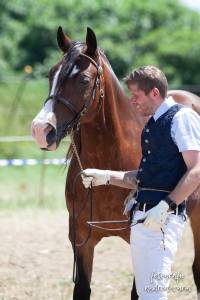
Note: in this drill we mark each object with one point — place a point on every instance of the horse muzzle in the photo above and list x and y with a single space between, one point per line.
44 135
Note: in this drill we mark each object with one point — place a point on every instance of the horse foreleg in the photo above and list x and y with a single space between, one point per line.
84 261
195 224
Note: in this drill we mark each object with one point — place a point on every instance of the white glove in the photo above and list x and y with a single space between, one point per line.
95 176
129 202
156 217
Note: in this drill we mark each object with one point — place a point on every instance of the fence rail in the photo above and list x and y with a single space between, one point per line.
32 162
12 139
28 161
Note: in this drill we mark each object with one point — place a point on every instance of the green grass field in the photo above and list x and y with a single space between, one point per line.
32 187
20 102
20 187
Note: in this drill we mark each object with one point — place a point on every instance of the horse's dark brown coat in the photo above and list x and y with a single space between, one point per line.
110 139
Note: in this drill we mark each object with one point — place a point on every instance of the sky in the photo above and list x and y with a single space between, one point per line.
194 4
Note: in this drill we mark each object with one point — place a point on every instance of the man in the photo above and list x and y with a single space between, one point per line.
169 172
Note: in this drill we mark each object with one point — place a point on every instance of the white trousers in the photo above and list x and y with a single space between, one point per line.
153 255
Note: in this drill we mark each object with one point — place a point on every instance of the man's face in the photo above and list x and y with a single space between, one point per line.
144 103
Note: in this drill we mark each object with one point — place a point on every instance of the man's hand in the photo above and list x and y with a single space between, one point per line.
156 217
95 176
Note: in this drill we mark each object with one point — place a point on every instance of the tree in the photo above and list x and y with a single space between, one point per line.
132 33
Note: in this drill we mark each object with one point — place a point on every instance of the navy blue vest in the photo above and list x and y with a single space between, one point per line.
162 165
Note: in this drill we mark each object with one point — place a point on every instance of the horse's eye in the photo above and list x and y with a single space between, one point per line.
85 80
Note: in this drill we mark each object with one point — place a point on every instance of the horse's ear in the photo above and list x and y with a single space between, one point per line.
64 42
91 42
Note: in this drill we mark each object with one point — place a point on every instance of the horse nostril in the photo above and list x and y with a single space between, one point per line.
51 137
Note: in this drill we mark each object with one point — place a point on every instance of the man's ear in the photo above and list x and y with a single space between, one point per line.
155 92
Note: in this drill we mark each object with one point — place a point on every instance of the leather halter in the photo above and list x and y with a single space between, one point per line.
75 122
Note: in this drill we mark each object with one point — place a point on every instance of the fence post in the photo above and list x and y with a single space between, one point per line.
18 96
42 180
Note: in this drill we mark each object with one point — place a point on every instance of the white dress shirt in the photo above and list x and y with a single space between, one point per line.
185 130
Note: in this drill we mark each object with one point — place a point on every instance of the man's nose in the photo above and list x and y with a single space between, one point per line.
133 101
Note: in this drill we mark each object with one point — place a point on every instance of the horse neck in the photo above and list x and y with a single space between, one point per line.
114 131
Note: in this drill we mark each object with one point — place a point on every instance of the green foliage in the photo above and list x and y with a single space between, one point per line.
20 102
132 33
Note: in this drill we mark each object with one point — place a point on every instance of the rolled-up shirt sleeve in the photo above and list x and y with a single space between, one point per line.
185 129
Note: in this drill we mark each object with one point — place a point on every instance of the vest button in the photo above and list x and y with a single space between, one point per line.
146 141
138 180
144 159
147 130
140 169
148 151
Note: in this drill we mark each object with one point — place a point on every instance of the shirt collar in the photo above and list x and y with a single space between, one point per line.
164 106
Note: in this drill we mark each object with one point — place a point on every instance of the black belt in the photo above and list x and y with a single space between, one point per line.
145 207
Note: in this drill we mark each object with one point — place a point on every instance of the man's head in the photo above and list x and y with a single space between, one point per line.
148 86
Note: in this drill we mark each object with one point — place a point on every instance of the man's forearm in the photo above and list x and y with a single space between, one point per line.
186 186
124 179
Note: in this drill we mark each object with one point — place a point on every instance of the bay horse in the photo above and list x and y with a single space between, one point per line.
85 93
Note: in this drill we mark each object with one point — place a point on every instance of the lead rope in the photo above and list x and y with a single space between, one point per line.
90 223
76 152
75 264
89 196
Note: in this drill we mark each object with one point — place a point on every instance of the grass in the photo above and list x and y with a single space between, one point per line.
30 150
26 188
21 100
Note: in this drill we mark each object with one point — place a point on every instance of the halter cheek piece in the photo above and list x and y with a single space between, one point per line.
75 122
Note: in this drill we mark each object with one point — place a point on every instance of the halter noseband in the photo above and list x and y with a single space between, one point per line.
75 122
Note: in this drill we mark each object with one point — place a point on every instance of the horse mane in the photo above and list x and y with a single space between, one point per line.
71 56
68 62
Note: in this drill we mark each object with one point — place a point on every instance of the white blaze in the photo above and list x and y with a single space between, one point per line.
46 114
55 81
75 70
40 124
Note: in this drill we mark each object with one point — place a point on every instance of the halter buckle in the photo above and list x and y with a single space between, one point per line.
83 111
101 93
78 126
100 70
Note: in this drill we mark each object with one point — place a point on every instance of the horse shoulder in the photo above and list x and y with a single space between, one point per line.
186 98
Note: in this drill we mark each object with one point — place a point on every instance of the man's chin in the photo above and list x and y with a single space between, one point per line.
143 113
50 148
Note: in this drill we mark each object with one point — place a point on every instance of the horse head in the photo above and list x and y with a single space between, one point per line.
75 91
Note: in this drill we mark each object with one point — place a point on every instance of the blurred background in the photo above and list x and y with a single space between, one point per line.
164 33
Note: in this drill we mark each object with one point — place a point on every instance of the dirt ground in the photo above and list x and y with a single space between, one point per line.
36 261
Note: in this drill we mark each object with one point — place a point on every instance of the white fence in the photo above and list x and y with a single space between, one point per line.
27 161
32 161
